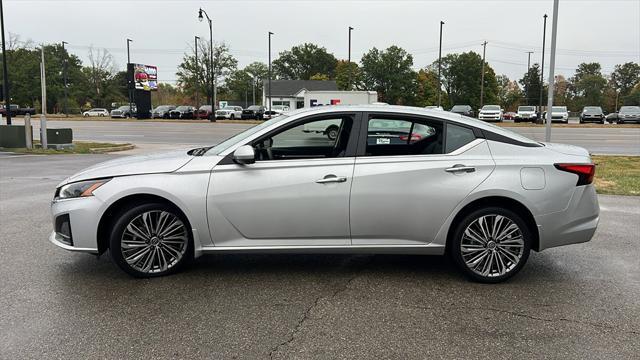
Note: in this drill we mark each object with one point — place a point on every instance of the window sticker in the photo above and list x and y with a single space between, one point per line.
383 141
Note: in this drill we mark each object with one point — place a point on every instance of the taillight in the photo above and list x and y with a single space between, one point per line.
585 172
414 137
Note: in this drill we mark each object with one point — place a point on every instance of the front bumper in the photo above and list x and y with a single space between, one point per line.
496 117
223 116
575 224
84 215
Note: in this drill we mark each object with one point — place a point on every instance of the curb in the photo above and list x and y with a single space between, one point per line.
112 149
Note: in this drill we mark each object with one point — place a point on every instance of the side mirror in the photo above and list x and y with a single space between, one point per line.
244 155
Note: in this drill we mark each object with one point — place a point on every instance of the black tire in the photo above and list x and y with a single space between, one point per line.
455 250
122 220
332 132
86 115
620 122
232 117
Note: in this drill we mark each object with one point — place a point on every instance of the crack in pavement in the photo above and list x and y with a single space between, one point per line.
528 316
305 316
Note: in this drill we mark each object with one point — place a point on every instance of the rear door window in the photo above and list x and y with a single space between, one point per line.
457 137
397 136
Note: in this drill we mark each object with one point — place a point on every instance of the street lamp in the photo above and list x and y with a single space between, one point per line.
201 12
195 73
64 78
269 88
440 67
130 87
544 37
5 71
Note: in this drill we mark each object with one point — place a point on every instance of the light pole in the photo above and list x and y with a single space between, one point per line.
269 87
253 89
213 84
349 56
544 37
195 73
552 67
484 51
440 67
64 78
133 74
529 60
5 71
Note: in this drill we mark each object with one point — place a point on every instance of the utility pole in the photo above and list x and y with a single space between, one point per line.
253 89
64 78
5 71
440 67
43 116
129 88
544 37
349 57
269 87
212 72
196 74
484 51
552 67
529 60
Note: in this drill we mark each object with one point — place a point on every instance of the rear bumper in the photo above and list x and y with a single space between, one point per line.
575 224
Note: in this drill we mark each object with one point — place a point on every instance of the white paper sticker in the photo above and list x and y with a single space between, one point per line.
383 141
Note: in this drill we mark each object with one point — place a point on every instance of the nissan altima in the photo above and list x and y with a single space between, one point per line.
398 180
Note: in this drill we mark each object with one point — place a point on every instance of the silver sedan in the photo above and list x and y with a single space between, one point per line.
394 179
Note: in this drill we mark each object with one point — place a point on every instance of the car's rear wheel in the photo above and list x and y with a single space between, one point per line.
491 245
151 240
332 132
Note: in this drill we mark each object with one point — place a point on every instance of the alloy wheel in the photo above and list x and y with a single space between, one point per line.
154 241
492 245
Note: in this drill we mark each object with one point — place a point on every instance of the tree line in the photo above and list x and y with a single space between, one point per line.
390 72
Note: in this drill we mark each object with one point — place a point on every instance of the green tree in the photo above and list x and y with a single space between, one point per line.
531 86
389 73
633 98
625 77
509 94
461 78
348 75
427 88
589 84
239 85
304 61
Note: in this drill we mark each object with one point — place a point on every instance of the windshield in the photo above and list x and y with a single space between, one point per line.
630 109
228 108
559 109
593 109
123 108
243 135
460 108
253 108
491 107
526 108
182 108
160 108
205 107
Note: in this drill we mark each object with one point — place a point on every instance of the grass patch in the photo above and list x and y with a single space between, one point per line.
81 147
617 175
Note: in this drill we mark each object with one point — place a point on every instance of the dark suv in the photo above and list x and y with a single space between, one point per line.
183 112
592 113
465 110
253 112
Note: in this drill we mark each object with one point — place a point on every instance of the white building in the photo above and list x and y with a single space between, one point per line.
296 94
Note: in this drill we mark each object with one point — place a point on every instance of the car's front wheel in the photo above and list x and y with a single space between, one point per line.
151 240
491 245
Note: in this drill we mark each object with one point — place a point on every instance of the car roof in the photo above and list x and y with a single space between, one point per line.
411 110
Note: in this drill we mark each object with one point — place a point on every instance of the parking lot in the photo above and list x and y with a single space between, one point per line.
575 302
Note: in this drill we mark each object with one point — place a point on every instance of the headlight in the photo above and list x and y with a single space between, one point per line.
79 189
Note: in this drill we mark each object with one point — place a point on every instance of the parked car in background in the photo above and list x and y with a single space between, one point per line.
465 110
96 112
162 111
592 114
509 115
124 111
16 110
229 112
183 112
255 112
205 113
271 114
629 113
558 114
330 128
411 181
490 113
526 113
611 118
434 107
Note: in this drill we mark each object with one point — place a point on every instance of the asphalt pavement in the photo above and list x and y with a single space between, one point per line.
156 136
575 302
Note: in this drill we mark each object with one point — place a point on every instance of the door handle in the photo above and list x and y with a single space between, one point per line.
459 168
331 179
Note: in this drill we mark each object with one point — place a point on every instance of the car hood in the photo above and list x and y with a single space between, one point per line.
567 149
133 165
